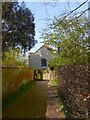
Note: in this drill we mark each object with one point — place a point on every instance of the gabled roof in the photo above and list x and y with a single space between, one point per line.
46 46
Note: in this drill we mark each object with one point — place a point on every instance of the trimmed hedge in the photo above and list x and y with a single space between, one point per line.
73 84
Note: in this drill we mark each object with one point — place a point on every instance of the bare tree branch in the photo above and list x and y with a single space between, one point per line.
69 13
83 12
75 9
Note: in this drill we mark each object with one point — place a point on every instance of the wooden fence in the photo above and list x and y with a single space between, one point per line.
13 78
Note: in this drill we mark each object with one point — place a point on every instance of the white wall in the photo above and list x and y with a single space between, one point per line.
35 58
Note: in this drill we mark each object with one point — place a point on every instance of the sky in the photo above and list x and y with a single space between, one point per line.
43 11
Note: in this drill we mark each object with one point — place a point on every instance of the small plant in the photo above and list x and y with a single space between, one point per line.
61 107
53 82
13 58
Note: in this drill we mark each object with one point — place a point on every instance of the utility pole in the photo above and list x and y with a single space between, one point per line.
87 111
89 32
89 11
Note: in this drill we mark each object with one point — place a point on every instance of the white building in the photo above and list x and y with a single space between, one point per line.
40 59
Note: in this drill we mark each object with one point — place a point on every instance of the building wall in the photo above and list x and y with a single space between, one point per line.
49 75
44 52
34 61
35 58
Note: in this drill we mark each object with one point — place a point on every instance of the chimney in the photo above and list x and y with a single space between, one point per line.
46 45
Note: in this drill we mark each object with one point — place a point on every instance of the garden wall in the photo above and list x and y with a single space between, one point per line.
13 78
73 84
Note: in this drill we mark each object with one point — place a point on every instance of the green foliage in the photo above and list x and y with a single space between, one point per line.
53 82
13 58
69 40
18 28
61 107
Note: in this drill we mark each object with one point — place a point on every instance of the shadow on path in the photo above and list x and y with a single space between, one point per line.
32 104
52 104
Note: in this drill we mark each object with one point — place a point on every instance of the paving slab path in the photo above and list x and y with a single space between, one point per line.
52 104
32 104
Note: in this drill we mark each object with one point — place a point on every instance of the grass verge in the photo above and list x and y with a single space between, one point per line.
23 88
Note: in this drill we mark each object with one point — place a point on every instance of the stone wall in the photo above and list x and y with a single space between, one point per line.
48 74
73 84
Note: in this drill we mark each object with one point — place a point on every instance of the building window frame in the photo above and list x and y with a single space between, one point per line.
43 62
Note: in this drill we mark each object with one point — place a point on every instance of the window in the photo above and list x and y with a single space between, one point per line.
43 62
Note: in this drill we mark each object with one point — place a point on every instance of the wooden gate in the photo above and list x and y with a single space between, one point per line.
38 75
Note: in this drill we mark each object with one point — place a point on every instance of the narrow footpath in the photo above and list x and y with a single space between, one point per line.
40 101
52 103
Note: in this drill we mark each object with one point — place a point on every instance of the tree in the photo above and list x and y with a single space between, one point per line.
69 40
18 28
13 58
